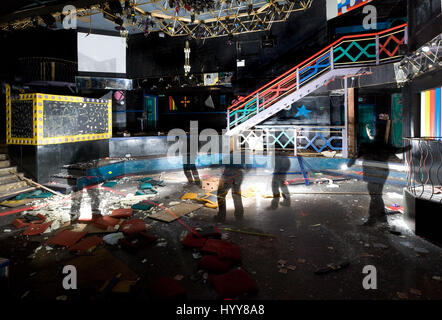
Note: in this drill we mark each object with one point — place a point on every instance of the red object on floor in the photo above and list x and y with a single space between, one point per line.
223 249
215 264
106 223
19 223
166 288
208 232
193 242
147 237
395 209
66 238
122 213
133 226
87 245
233 283
35 229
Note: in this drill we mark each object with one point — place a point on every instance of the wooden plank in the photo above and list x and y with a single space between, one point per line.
175 212
351 122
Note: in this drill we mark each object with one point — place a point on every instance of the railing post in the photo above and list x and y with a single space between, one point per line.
345 131
228 119
332 58
257 103
406 35
295 141
297 79
377 49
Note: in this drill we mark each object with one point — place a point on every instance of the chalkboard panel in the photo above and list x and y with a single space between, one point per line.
21 119
68 118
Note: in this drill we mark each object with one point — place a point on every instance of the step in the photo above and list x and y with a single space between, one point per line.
60 187
13 193
3 149
73 171
10 178
67 180
5 163
4 156
7 187
7 170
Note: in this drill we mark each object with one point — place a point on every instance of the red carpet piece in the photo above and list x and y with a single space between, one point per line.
215 264
122 213
223 249
133 226
208 232
19 223
233 283
193 242
66 238
87 245
106 223
38 228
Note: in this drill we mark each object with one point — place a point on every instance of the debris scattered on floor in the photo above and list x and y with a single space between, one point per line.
212 183
416 292
179 277
394 209
87 245
175 212
249 232
402 295
109 184
113 238
332 267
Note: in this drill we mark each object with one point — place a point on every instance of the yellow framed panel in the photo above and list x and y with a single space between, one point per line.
38 120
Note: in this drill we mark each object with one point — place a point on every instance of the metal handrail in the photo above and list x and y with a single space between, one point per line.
292 79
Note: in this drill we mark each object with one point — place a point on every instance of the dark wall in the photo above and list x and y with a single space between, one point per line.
159 57
425 21
40 162
35 42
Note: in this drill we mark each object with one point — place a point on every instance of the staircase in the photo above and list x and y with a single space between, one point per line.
348 56
10 184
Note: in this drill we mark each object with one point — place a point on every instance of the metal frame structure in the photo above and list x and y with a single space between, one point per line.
424 162
227 18
300 139
426 58
342 57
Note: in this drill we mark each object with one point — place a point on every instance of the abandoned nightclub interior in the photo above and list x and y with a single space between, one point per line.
242 150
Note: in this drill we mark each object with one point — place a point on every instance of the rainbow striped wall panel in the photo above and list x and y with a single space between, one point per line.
431 113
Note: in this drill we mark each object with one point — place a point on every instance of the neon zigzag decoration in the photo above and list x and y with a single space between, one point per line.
382 47
363 51
311 68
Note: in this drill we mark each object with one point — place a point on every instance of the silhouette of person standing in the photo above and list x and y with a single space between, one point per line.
380 151
190 157
279 188
232 179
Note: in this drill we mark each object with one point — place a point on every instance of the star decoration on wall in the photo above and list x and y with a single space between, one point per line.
185 102
303 112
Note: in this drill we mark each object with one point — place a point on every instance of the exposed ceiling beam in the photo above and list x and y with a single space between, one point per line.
35 12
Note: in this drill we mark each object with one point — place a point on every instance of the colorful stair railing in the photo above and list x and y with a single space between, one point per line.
348 51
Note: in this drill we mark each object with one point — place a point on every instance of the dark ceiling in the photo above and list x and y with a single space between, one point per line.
19 9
